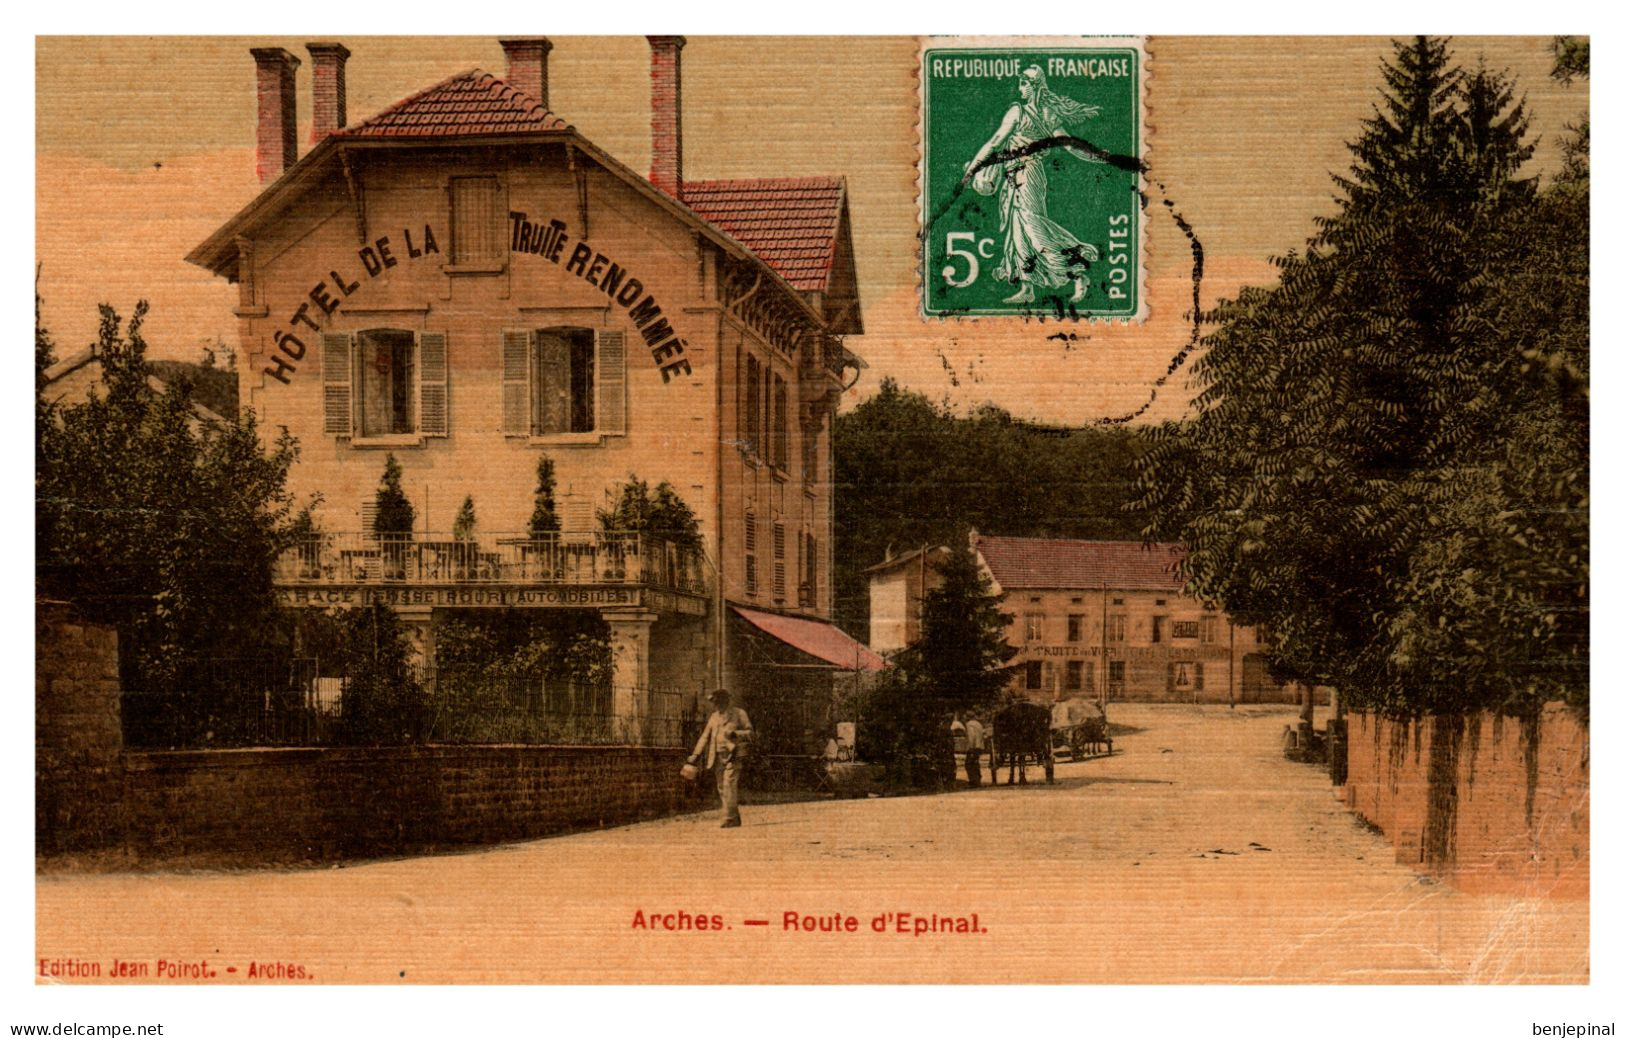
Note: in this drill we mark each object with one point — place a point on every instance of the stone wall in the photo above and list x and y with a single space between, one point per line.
317 804
1495 804
302 804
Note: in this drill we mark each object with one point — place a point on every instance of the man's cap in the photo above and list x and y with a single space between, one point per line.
717 693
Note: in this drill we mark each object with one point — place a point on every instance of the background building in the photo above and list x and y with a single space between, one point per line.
464 282
1104 619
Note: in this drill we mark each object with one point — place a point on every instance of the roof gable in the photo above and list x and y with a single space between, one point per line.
467 104
796 242
1034 562
791 223
799 226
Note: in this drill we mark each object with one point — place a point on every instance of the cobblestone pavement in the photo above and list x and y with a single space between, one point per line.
1194 854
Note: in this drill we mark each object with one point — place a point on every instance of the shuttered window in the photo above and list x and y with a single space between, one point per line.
750 553
810 562
385 382
477 221
563 380
753 406
778 562
781 423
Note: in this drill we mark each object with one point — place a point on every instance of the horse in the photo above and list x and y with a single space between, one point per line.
1020 731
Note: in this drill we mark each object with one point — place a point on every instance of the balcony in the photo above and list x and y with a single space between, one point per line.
368 563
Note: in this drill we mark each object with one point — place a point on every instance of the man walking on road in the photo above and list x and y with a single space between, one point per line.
722 746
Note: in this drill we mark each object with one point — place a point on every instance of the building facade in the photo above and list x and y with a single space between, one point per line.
1106 620
465 283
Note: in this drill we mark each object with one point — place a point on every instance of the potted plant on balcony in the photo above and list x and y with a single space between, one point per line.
543 557
462 535
658 518
393 520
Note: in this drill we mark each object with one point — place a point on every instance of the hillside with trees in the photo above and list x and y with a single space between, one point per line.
909 472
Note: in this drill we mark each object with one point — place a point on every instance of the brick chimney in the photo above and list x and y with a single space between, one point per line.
276 144
327 89
527 65
666 113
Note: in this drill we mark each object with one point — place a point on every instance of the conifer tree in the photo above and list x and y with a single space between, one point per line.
1338 407
394 514
544 518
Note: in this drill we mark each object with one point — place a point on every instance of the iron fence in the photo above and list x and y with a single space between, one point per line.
253 701
445 559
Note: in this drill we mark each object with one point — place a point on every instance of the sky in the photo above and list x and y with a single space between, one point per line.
145 146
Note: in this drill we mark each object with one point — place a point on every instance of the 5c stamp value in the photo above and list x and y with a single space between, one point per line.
1031 154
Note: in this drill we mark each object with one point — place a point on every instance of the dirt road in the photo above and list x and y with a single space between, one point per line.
1194 854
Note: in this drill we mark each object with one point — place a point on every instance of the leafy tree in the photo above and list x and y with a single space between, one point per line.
383 702
395 514
158 525
662 513
544 518
1357 438
491 666
462 528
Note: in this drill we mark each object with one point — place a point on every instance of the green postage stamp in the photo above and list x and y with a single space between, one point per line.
1031 156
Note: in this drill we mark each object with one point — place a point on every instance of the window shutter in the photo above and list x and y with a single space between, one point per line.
476 220
369 513
336 411
515 382
1173 677
612 383
778 562
433 419
1198 677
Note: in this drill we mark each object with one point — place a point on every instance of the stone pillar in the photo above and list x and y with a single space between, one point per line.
419 623
629 637
78 733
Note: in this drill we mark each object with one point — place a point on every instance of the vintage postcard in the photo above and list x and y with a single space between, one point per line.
1062 510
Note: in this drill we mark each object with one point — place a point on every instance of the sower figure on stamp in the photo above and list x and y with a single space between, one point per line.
1037 250
722 748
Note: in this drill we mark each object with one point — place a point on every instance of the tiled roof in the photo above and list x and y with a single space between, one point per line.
817 638
1032 562
468 103
790 223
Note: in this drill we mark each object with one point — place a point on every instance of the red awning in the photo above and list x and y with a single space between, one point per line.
816 638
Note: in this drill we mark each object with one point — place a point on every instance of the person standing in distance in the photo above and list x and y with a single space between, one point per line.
975 743
722 747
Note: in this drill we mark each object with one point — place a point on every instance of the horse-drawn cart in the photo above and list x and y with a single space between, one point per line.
1021 732
1080 726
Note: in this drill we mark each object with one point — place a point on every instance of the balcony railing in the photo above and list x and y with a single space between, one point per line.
446 560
